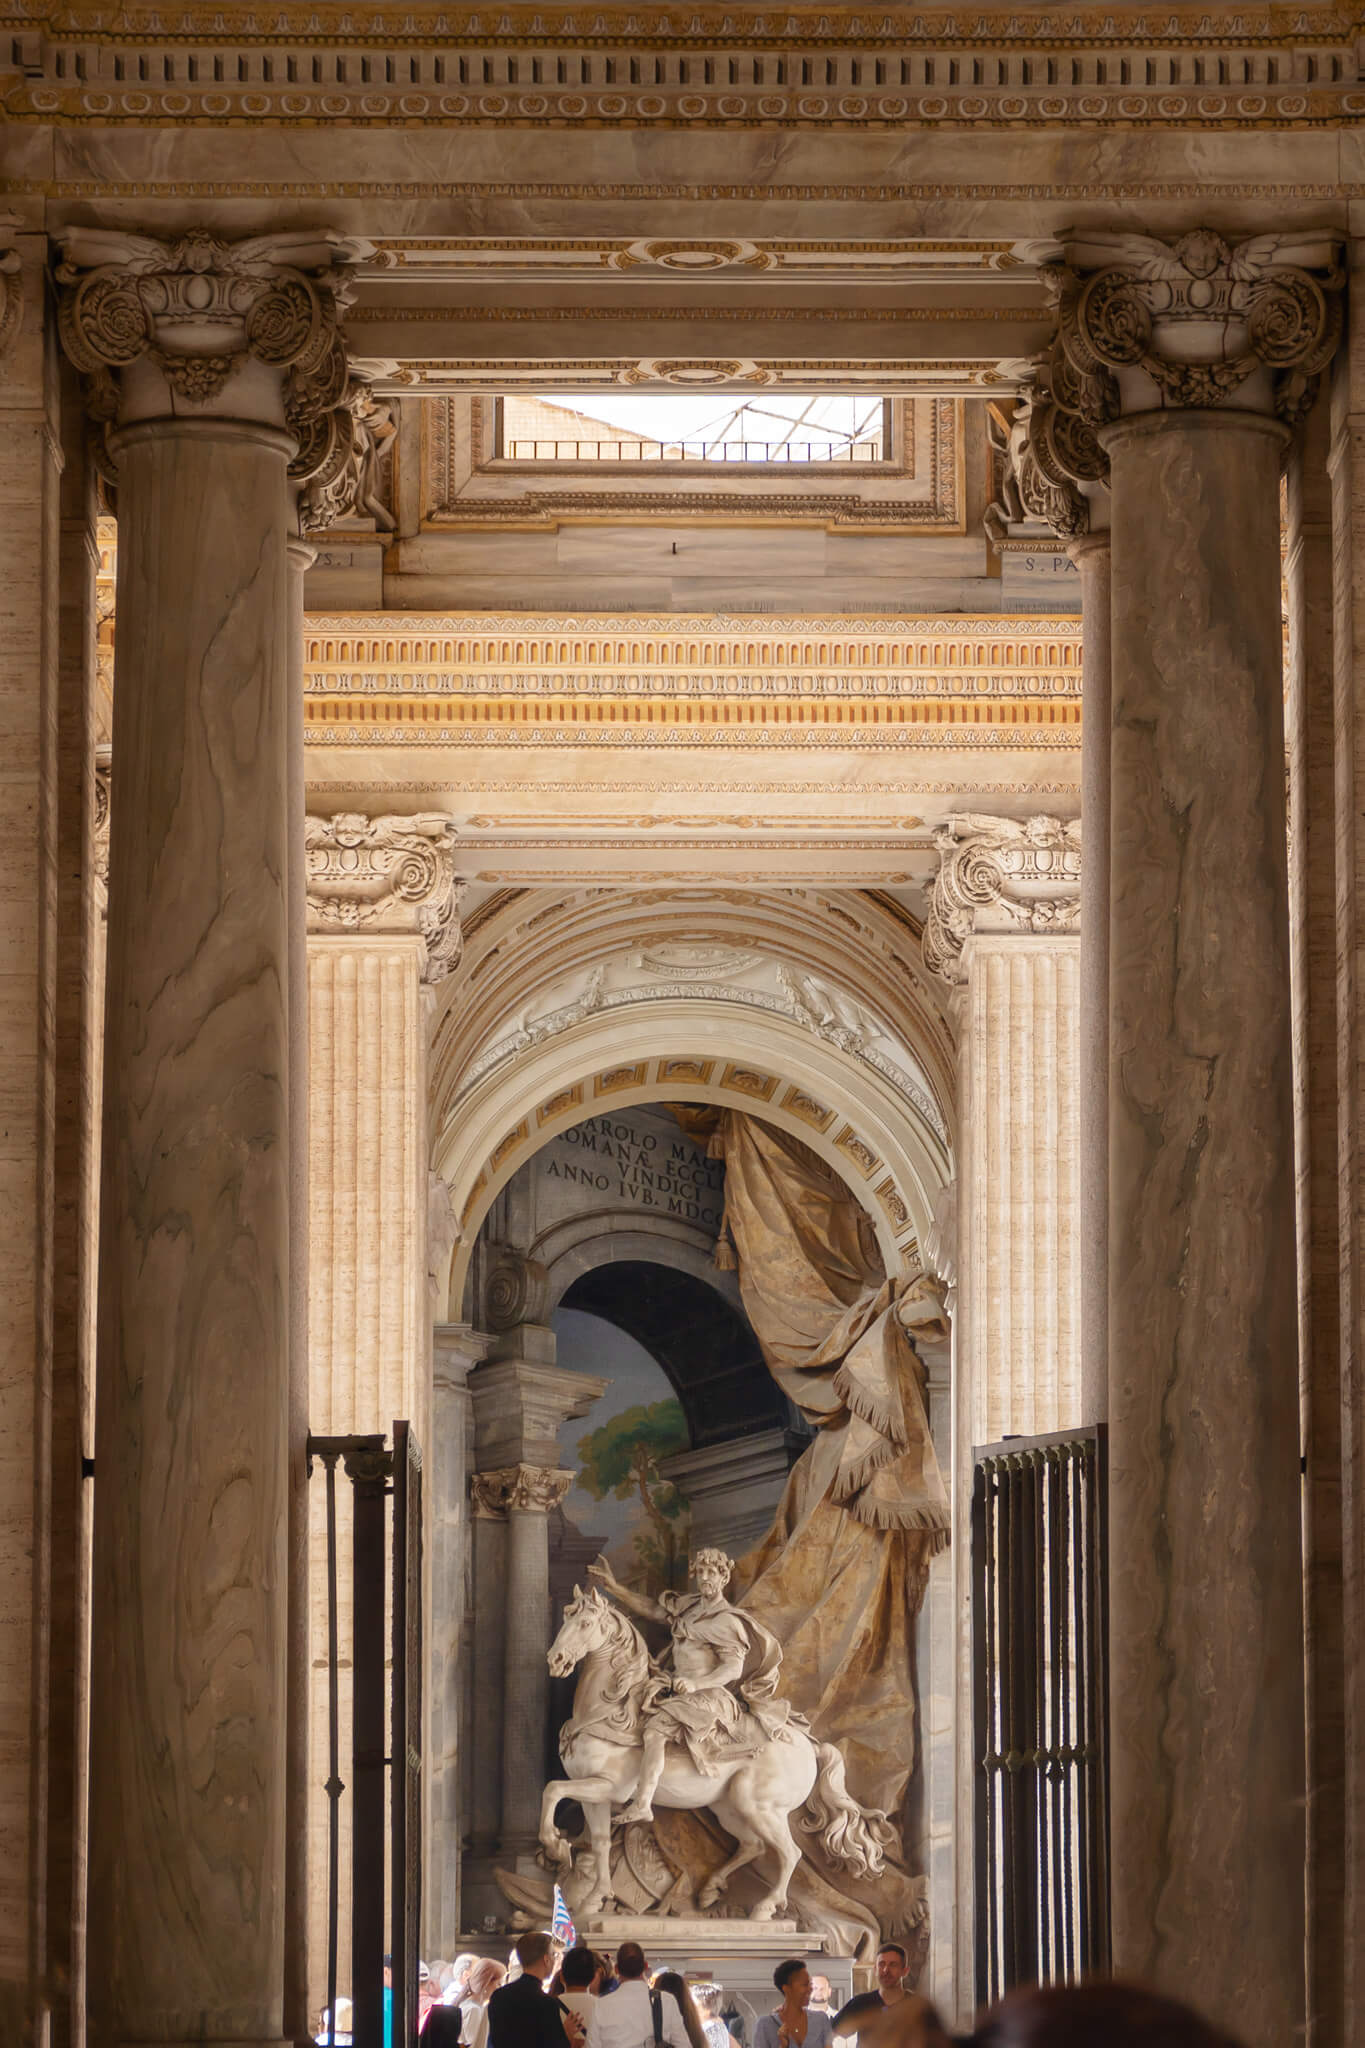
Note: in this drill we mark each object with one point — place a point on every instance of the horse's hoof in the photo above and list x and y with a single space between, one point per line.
766 1909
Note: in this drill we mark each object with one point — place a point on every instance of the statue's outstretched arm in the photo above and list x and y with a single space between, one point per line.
638 1603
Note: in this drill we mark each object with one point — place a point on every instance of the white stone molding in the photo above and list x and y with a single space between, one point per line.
524 1489
387 875
1146 323
157 327
1003 874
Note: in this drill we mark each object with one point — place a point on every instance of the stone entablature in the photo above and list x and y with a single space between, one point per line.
1005 874
709 65
490 678
384 875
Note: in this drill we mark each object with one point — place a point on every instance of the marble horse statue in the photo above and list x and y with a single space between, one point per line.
702 1728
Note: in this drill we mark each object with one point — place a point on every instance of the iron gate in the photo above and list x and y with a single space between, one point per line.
1039 1631
377 1474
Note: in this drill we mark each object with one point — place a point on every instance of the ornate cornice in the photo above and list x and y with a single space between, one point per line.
490 679
525 1489
387 875
800 65
1145 323
1002 874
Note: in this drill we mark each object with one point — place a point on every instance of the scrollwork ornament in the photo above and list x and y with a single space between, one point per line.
1191 321
199 307
1025 873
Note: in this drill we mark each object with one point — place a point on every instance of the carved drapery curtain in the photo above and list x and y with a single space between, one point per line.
841 1575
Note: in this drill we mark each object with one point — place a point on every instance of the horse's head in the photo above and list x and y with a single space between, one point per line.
586 1626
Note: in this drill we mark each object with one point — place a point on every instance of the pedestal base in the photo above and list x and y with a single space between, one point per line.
655 1931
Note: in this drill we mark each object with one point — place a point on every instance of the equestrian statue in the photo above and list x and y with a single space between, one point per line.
701 1727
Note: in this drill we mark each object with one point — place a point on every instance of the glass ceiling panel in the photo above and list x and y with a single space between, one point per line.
700 427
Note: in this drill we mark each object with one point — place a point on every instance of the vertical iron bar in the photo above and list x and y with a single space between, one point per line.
1066 1728
405 1789
982 1732
335 1788
1055 1679
368 1468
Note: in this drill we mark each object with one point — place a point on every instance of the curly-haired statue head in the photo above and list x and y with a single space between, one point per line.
710 1560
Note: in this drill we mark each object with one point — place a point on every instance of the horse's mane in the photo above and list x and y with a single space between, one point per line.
620 1668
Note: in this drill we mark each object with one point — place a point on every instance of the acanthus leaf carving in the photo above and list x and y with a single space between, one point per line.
199 307
1146 322
1023 874
525 1489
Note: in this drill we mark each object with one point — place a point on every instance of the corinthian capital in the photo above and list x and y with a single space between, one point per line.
203 325
528 1489
1000 874
387 874
1146 323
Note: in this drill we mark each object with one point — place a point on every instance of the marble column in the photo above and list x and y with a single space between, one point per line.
204 362
520 1401
1346 469
301 555
1310 745
382 927
456 1350
1002 930
30 482
1197 355
1091 554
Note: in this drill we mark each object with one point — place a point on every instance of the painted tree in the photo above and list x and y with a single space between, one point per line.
622 1459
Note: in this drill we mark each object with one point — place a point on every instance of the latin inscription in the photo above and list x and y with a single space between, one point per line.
613 1159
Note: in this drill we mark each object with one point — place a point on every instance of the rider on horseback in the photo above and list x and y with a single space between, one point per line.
719 1698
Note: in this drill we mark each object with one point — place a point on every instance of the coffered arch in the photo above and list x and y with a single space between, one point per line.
699 1050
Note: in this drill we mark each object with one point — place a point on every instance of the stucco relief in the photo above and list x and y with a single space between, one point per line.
758 981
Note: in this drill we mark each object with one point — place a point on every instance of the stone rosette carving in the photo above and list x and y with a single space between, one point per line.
1196 321
525 1489
198 308
1001 874
387 874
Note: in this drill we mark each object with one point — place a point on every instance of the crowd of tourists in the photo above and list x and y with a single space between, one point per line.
545 1996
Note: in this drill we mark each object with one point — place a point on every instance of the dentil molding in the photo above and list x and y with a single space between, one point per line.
423 62
387 875
1001 874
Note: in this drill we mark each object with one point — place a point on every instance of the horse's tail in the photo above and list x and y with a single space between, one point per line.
846 1832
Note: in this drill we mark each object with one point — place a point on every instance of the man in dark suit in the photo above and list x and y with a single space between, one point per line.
521 2015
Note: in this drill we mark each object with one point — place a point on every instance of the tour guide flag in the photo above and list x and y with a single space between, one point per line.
561 1926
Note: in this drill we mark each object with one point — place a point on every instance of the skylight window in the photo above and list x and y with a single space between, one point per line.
636 427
